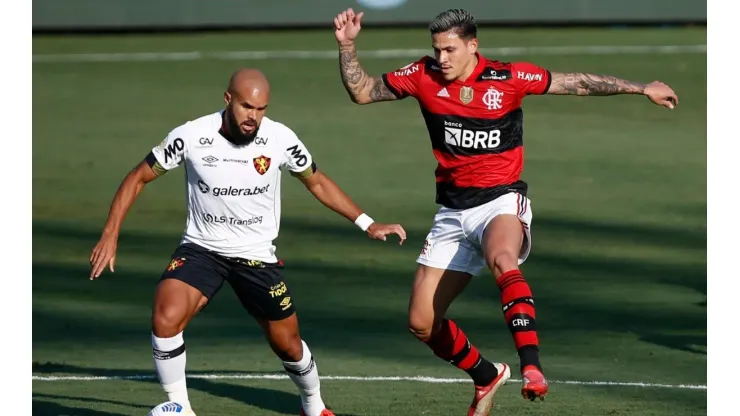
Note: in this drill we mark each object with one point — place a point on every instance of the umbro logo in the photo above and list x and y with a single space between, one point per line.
443 93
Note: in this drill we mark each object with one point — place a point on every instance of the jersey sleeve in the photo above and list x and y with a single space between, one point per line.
530 78
296 157
171 152
405 81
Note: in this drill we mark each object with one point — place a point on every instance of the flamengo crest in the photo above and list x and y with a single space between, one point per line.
492 98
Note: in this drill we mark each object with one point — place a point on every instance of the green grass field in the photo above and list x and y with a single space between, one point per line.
618 268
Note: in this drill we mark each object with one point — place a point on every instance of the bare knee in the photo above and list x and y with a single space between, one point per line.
175 303
284 338
421 327
291 349
502 261
168 320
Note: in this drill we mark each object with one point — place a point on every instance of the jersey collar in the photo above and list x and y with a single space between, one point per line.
477 70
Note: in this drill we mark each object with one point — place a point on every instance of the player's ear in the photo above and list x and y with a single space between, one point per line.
227 98
472 45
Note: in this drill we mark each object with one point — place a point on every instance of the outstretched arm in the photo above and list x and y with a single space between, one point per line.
104 253
362 88
332 196
579 83
145 172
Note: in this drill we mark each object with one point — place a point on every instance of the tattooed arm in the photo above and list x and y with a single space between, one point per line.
574 83
577 83
362 88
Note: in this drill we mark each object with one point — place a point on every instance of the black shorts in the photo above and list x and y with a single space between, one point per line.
259 286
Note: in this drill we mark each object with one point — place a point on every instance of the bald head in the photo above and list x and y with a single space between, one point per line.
247 82
246 100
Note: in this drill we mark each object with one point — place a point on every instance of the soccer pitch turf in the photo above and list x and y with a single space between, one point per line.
618 267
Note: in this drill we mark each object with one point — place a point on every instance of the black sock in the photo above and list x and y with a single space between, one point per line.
483 372
529 355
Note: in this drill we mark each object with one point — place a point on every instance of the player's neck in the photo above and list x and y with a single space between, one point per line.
469 70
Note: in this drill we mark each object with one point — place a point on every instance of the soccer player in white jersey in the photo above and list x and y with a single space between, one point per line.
232 160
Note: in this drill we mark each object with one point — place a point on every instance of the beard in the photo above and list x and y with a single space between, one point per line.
235 134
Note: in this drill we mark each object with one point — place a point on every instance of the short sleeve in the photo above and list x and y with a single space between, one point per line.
530 78
171 152
405 81
296 157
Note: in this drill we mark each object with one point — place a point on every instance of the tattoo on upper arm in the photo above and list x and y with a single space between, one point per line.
380 92
361 87
577 83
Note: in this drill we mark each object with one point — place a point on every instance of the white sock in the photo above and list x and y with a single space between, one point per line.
169 361
305 375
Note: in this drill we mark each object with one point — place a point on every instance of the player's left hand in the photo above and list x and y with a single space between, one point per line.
378 231
661 94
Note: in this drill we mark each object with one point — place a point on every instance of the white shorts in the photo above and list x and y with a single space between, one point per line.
454 242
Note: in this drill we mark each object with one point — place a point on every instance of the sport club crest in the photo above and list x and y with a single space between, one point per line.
492 99
466 95
262 164
175 264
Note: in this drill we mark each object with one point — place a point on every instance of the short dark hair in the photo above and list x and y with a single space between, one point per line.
460 21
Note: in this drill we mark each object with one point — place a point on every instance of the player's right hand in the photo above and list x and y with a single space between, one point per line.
347 25
661 94
104 254
378 231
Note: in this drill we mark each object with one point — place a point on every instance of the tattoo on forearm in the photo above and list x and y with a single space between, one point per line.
575 83
360 86
353 76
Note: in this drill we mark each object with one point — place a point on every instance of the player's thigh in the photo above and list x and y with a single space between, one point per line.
502 228
447 247
192 277
262 291
432 293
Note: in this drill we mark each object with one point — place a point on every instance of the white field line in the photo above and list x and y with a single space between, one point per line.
377 53
358 378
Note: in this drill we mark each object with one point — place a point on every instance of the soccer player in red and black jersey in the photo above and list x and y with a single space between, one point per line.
472 106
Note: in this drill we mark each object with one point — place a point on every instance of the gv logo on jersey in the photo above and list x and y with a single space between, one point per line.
262 164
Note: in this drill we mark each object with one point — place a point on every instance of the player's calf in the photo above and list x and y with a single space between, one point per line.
519 311
175 302
433 291
502 243
448 342
517 304
284 338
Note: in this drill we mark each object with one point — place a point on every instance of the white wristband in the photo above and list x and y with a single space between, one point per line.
363 221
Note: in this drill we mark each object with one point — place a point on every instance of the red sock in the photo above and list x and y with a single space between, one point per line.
452 345
519 312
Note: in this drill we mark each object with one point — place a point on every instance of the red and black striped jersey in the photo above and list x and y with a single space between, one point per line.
475 125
